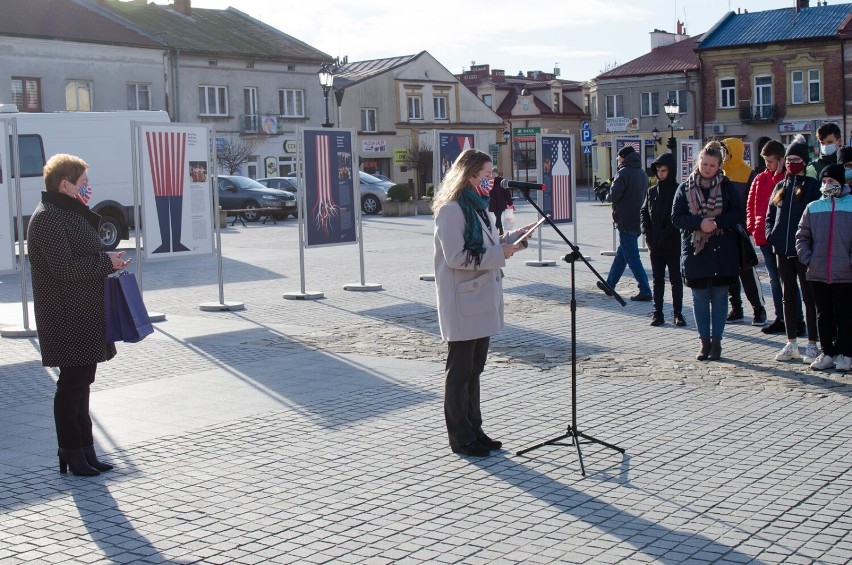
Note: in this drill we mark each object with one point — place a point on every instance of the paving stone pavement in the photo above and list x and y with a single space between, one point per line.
312 431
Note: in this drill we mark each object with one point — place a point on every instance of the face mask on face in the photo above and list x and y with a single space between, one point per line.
484 186
831 190
829 149
84 193
795 168
848 174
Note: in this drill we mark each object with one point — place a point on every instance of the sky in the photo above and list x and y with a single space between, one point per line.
580 37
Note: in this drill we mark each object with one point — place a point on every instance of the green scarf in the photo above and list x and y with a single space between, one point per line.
473 207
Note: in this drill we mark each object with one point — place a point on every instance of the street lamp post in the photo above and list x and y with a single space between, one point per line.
672 110
326 79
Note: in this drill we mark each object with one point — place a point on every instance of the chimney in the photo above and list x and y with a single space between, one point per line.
802 4
184 7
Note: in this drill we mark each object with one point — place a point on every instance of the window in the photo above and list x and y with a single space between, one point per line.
78 95
415 110
368 120
291 103
440 103
556 97
487 99
680 98
813 85
594 107
26 94
250 100
615 106
213 100
650 103
797 87
138 96
727 92
32 156
762 96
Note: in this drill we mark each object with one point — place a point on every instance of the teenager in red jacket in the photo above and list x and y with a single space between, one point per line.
758 202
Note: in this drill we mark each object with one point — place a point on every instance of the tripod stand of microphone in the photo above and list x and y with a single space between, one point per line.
577 437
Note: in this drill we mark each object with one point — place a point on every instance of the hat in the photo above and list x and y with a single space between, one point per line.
495 170
844 154
799 149
625 151
837 172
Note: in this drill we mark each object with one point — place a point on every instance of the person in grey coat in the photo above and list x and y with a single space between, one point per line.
68 267
627 195
469 256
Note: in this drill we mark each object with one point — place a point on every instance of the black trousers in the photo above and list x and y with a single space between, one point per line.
660 261
465 363
750 283
71 406
791 271
834 317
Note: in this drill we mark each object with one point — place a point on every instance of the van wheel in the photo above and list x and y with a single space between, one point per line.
251 216
371 204
109 230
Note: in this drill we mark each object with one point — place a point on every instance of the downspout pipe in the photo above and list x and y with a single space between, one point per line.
843 74
694 105
176 81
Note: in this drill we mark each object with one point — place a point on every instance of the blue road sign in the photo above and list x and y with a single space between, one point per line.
586 136
585 125
587 150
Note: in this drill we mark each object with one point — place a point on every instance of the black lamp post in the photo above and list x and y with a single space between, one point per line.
672 110
326 79
506 136
656 133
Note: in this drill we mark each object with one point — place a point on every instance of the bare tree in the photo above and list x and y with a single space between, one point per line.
419 158
233 151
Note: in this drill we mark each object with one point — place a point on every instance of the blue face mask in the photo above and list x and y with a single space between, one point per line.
484 186
848 173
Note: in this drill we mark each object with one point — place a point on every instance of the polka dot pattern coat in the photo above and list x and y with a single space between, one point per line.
68 266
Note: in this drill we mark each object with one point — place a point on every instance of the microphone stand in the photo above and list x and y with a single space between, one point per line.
572 431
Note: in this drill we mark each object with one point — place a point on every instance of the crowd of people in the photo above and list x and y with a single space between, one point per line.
798 214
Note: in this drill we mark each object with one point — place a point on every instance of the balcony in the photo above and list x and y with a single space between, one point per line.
259 124
761 114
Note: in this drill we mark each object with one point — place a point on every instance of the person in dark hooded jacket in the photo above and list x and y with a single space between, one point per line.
627 195
663 238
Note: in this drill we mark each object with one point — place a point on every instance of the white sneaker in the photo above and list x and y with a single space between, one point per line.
790 351
843 363
822 362
811 353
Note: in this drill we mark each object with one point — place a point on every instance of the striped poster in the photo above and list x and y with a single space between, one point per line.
167 158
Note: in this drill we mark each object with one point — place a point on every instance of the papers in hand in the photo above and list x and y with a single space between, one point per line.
521 241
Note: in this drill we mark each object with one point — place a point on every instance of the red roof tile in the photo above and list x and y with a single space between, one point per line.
673 58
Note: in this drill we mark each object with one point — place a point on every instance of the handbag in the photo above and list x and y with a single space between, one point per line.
508 219
745 250
126 318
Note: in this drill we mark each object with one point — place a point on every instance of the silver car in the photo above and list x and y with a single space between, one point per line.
374 191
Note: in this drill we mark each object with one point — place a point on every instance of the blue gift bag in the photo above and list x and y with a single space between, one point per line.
124 312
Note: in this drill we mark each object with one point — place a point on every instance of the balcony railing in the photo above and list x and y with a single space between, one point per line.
259 124
755 114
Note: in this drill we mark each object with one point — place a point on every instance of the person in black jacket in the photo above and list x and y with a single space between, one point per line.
68 267
786 206
627 194
663 238
706 209
499 199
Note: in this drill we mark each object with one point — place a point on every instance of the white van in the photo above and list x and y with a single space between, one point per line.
101 139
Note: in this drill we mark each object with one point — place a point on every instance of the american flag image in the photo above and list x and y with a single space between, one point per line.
561 174
166 154
325 208
84 193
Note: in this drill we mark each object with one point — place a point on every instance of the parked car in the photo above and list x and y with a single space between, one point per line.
374 191
381 177
282 183
238 193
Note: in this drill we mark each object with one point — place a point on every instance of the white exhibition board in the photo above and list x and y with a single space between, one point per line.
7 201
175 192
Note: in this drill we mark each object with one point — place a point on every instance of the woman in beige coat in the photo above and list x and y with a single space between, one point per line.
469 254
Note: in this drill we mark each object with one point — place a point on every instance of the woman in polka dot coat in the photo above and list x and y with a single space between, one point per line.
68 267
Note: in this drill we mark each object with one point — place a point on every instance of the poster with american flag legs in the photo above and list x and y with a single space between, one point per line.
557 174
330 206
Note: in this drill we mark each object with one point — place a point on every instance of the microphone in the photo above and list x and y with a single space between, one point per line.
522 185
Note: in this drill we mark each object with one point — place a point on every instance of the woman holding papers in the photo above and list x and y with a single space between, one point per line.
469 255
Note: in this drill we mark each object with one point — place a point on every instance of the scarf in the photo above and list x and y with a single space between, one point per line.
708 207
473 207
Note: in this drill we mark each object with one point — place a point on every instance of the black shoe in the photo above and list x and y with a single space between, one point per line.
759 317
603 287
801 329
92 459
642 298
473 448
657 319
776 327
491 444
679 321
715 350
735 315
75 459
